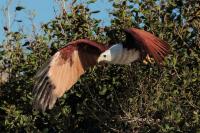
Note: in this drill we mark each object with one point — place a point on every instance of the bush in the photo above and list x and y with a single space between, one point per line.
134 98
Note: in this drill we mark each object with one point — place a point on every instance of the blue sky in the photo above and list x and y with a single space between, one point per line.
44 11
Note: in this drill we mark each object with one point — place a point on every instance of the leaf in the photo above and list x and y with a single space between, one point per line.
19 21
95 12
135 10
124 3
91 1
19 8
116 5
5 28
26 43
130 6
103 91
70 15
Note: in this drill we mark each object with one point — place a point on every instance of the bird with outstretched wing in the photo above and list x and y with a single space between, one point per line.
67 65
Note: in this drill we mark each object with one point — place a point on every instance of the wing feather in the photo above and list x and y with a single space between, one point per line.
63 70
147 43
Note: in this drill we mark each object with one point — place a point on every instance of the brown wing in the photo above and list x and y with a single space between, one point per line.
148 43
63 70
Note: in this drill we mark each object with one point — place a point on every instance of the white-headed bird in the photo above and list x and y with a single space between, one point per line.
67 65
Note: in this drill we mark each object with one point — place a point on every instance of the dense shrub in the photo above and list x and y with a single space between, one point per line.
133 98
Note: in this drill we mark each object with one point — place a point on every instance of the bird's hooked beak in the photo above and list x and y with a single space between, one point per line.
99 60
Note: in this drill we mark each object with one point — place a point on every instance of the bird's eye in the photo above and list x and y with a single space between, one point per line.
104 55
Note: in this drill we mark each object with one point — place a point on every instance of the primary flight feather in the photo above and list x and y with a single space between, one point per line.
67 65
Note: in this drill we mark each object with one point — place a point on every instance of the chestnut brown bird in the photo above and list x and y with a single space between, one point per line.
67 65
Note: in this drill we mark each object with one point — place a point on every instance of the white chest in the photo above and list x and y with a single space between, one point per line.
123 55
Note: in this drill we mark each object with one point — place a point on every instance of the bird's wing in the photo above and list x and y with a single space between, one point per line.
148 42
63 70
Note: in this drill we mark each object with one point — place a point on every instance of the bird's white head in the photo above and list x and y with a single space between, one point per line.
105 56
111 54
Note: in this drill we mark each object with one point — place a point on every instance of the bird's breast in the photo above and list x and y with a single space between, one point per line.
126 56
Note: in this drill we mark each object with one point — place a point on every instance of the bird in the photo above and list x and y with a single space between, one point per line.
67 65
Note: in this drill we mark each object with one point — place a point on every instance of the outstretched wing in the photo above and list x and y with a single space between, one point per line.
147 43
63 70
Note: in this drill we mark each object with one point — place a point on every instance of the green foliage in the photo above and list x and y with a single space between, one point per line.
134 98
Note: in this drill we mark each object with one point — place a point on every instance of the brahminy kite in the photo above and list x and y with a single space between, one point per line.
67 65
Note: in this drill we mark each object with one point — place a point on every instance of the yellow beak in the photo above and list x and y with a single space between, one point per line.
99 60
